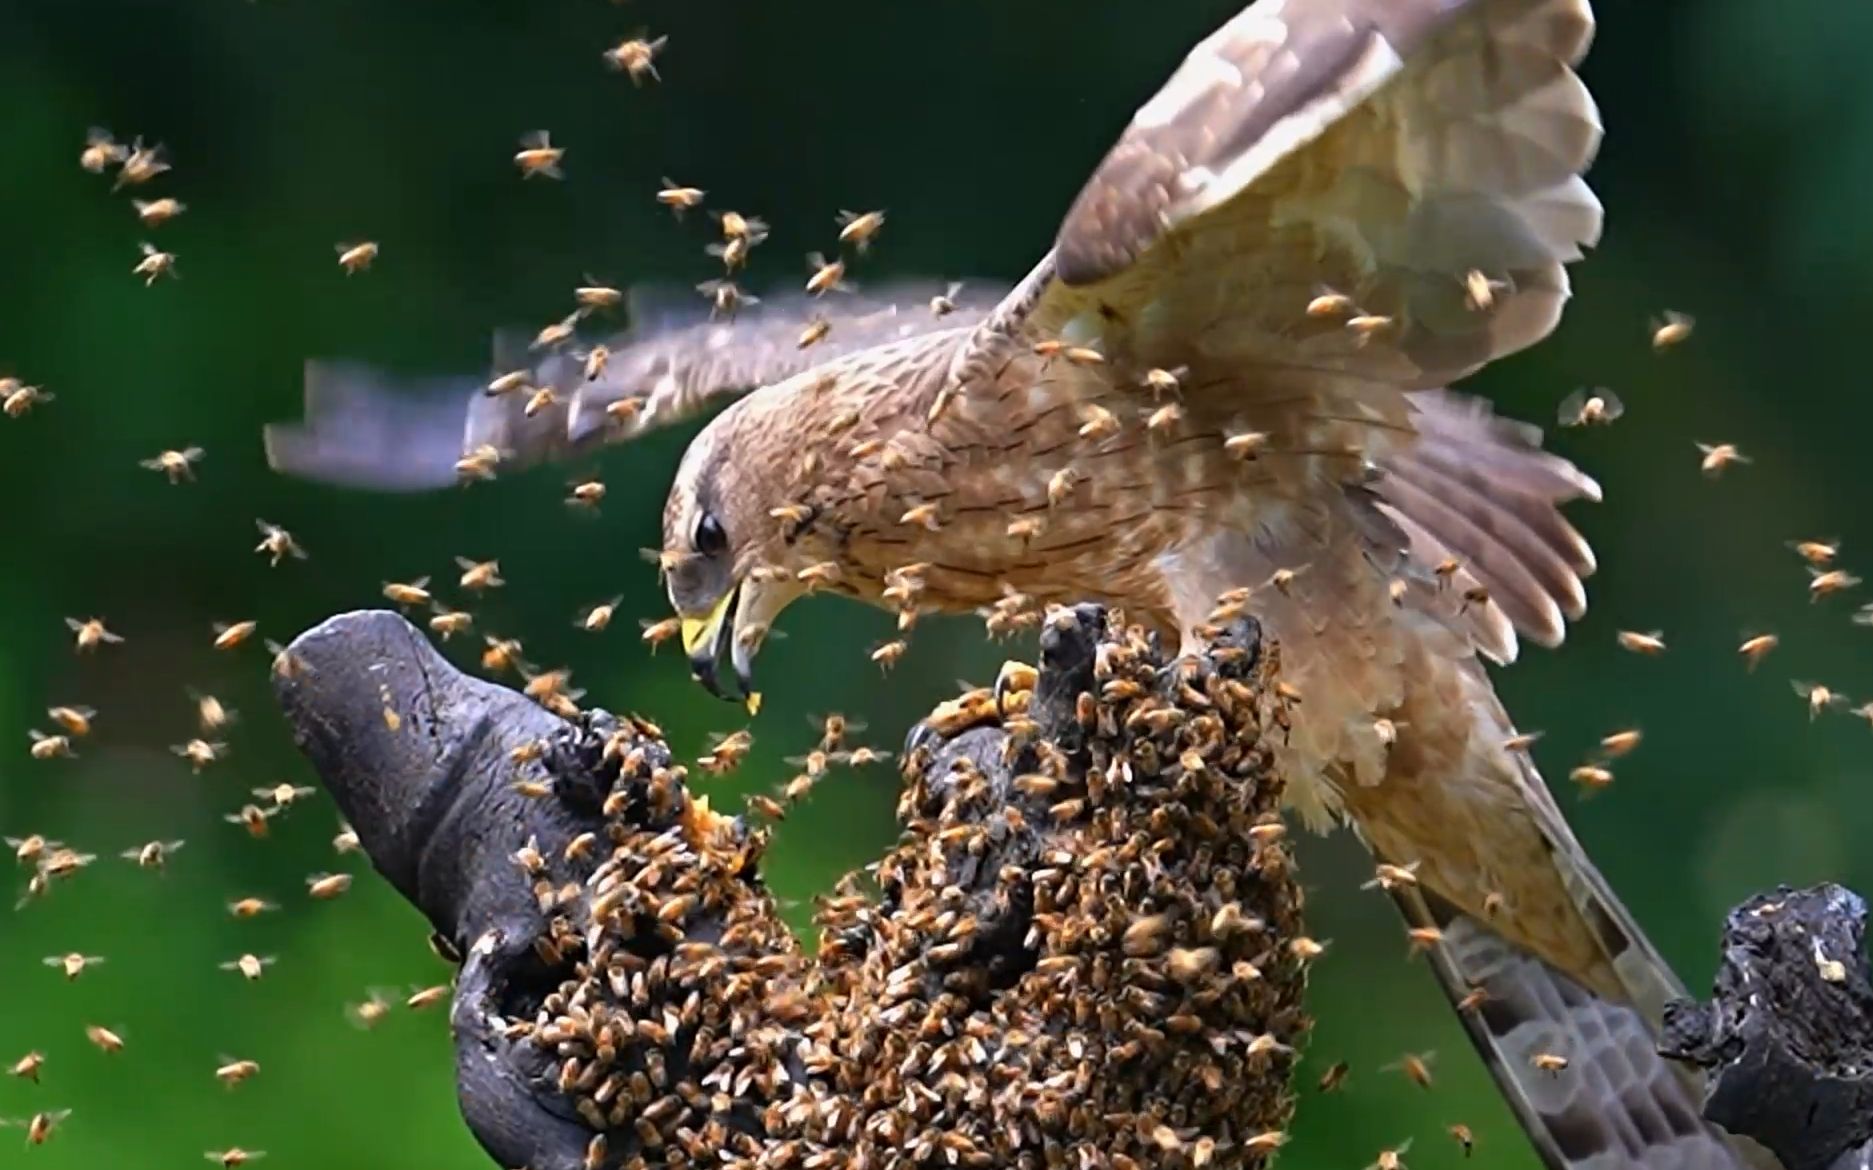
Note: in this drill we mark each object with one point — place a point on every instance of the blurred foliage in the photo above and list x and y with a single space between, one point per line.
1740 145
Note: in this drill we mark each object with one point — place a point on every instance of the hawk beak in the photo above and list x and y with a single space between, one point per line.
702 641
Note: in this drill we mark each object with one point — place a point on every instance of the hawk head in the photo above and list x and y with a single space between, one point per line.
725 556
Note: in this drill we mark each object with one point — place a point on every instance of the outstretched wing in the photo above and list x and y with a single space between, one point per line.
1383 149
365 428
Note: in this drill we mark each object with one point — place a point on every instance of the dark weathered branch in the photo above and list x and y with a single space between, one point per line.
1076 955
1788 1034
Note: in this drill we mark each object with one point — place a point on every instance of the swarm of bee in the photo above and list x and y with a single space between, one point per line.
1080 953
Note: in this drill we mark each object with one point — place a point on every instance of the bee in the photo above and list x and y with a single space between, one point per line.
597 618
200 752
1820 698
1365 326
1328 303
859 757
815 332
253 818
105 1039
1591 777
75 720
157 212
1392 877
725 298
1306 949
1423 938
679 198
370 1012
477 465
1590 408
28 850
1618 743
727 753
1246 445
142 164
548 337
346 841
732 252
586 494
1415 1066
1096 423
889 654
41 1126
1822 583
596 297
1718 457
250 967
91 633
63 862
1819 553
1060 486
73 964
155 263
231 1072
17 399
507 383
325 886
177 465
410 593
277 543
285 663
101 151
656 633
1391 1159
450 622
27 1067
1083 355
547 685
944 303
49 747
625 409
1161 381
828 275
1673 328
1521 741
1164 419
153 854
250 907
1474 999
821 575
1335 1076
1649 644
1025 528
1479 291
923 516
1549 1062
637 58
538 155
233 1156
1264 1143
228 635
355 258
859 229
427 997
1461 1134
479 575
735 226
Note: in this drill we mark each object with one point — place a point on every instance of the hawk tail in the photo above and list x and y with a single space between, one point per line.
1616 1103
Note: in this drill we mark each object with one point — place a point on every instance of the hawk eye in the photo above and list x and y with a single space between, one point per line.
709 538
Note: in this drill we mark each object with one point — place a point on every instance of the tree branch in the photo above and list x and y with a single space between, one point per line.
1077 955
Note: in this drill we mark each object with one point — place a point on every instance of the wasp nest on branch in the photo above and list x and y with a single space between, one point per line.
1084 951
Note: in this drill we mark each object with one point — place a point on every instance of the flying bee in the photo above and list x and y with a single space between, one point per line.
1819 553
177 465
725 298
1479 291
502 655
250 907
75 720
346 841
732 252
101 151
1823 582
1060 486
1591 777
1461 1134
1717 457
326 886
1365 326
1335 1076
1672 329
1820 698
157 212
860 228
285 663
1549 1062
1161 381
478 576
355 258
17 399
597 297
1618 743
478 465
679 198
944 303
1590 408
40 1126
1327 302
253 818
1393 1159
828 275
233 1156
1245 445
250 967
200 753
656 633
49 747
1096 423
228 635
231 1072
597 618
449 622
73 964
1025 528
727 753
1164 419
1649 644
106 1040
1392 877
408 593
890 653
1415 1067
815 332
142 164
587 494
277 543
427 997
558 333
636 57
538 155
155 263
923 516
153 854
27 1067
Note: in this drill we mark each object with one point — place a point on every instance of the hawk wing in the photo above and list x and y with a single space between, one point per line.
1400 153
366 428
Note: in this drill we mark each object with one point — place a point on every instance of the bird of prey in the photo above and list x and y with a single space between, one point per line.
1230 370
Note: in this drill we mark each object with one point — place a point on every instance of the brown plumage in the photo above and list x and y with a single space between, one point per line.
1399 153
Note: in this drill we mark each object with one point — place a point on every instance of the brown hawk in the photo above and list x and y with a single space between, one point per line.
1228 371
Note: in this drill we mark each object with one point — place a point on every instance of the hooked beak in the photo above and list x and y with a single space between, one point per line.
703 639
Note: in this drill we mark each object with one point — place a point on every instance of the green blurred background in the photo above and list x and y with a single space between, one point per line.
1739 151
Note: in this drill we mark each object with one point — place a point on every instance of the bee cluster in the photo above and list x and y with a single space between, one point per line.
1081 952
